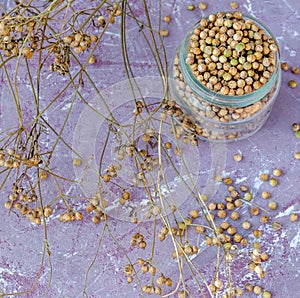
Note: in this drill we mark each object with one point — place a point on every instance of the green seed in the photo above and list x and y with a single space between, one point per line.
227 53
248 196
240 47
234 62
297 134
292 83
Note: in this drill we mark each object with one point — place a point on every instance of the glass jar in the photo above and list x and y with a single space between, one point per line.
213 116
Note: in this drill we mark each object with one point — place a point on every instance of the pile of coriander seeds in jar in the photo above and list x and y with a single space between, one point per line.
225 77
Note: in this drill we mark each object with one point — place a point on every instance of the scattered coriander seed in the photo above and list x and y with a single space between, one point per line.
256 245
202 5
273 181
265 195
95 219
248 196
294 217
221 213
254 211
78 215
194 213
297 155
237 157
295 70
168 145
249 287
264 256
76 162
199 229
244 188
106 177
234 215
297 134
277 172
164 33
264 219
276 226
212 206
266 294
292 83
295 126
264 177
257 290
167 19
285 66
191 7
246 225
272 205
233 5
92 60
227 181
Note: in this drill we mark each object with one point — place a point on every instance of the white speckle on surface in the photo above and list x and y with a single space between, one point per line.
295 241
240 180
286 212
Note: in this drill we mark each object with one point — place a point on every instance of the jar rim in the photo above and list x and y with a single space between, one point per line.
217 98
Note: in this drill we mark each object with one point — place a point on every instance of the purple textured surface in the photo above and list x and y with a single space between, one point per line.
73 245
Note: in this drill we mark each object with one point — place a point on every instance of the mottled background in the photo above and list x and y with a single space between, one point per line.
73 245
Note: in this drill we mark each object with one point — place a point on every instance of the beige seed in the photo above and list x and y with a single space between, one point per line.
294 217
297 155
272 205
237 157
273 182
164 33
202 5
167 19
277 172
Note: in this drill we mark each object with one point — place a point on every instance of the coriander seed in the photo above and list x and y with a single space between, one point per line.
233 5
265 195
292 83
266 294
202 5
257 290
246 225
164 33
191 7
237 157
277 172
167 19
285 66
295 70
264 177
273 182
297 155
272 205
295 126
294 217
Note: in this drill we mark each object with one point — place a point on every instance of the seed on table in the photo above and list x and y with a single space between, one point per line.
264 177
265 195
266 294
277 172
295 70
285 66
273 181
164 33
297 134
92 60
191 7
233 5
237 157
202 5
264 219
76 162
167 19
297 155
272 205
257 290
292 83
276 226
294 217
295 126
254 211
246 225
